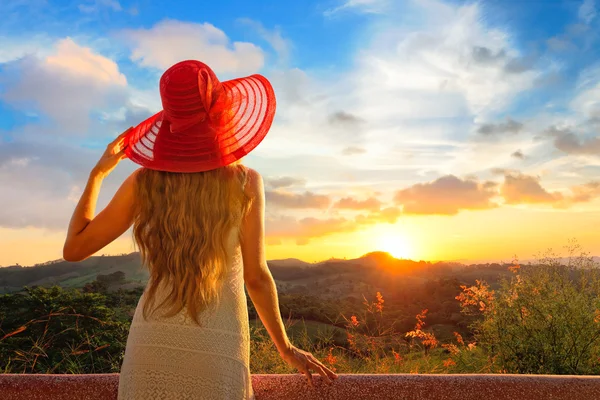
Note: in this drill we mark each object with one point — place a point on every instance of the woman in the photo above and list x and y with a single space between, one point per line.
198 219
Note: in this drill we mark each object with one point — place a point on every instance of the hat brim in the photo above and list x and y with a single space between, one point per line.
249 104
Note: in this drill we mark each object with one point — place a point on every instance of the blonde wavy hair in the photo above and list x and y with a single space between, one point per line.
182 225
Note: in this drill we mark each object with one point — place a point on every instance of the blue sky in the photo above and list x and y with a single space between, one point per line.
395 119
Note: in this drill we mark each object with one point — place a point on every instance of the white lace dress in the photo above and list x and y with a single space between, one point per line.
176 359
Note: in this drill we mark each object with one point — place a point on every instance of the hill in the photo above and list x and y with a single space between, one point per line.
373 271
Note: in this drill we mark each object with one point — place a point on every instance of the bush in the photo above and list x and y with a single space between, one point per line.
59 331
544 320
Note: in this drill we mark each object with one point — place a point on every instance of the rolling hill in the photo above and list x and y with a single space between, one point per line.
369 272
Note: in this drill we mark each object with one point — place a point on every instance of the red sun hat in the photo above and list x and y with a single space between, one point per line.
205 124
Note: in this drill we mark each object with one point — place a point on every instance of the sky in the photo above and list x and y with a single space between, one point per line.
432 129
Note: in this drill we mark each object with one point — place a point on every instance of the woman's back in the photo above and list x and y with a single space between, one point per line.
175 358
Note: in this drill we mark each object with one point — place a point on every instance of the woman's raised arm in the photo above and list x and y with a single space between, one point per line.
88 233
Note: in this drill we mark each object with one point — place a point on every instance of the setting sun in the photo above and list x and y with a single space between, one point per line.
396 245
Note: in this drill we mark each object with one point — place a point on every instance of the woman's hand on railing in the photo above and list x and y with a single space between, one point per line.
304 362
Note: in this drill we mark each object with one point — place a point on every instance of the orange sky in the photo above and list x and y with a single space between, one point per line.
491 235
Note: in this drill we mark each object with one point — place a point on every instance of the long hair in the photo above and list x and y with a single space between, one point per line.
182 227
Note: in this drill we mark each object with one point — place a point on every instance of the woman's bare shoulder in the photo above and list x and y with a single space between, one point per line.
254 183
131 180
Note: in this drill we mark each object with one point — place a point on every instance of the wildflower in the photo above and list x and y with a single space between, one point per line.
472 346
379 304
429 341
354 321
397 357
452 348
449 362
514 268
331 359
351 340
597 316
459 338
476 297
420 320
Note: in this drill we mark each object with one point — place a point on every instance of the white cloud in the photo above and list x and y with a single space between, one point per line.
97 5
587 11
412 99
274 37
67 85
366 6
171 41
83 62
454 65
40 181
14 48
586 102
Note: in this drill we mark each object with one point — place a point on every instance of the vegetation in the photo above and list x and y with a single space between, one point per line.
537 318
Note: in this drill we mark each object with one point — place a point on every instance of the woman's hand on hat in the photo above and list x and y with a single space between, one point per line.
305 361
114 153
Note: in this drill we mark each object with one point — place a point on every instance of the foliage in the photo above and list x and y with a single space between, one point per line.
544 320
59 331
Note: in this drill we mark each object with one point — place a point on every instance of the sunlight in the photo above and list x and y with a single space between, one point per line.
395 244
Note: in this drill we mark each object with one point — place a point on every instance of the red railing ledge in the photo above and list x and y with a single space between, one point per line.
347 387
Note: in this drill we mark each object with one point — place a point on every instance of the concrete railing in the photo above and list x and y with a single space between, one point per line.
347 387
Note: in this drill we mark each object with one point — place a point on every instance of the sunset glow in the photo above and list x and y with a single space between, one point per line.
396 245
433 130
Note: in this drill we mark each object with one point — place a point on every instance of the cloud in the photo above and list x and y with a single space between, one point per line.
304 229
67 89
587 11
299 201
170 41
41 182
284 181
511 65
567 141
525 189
453 66
344 119
349 203
560 44
585 103
353 150
96 5
14 48
67 85
274 37
510 126
518 154
447 195
586 192
484 55
365 6
387 215
519 188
